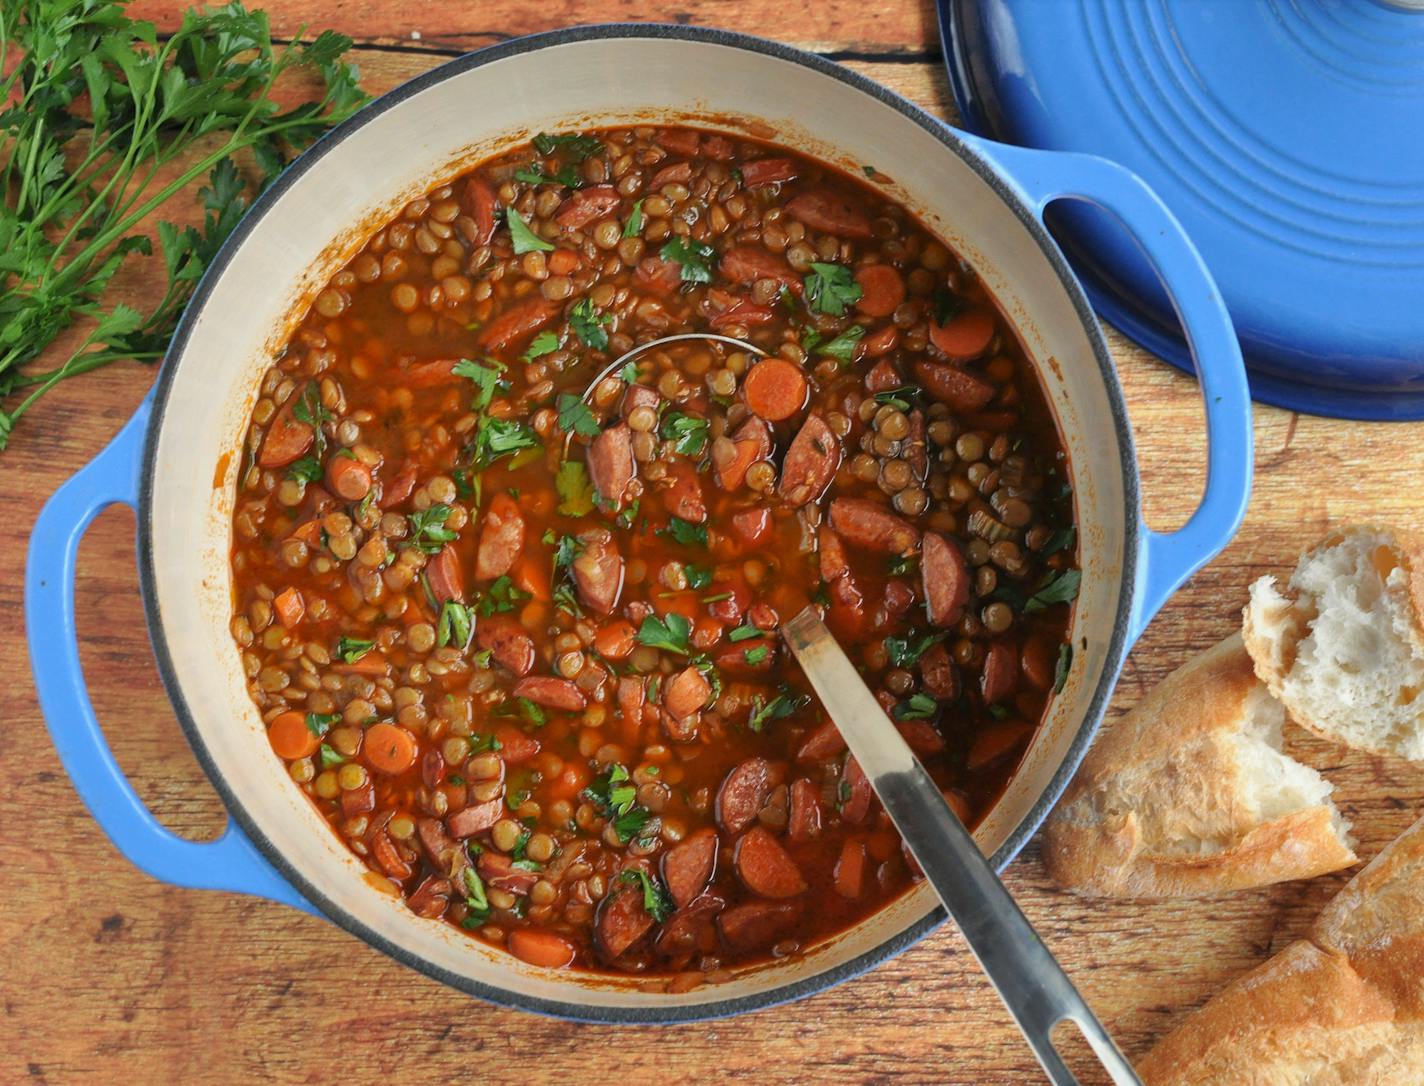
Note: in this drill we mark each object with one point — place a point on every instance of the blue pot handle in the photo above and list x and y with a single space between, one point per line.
1165 559
230 862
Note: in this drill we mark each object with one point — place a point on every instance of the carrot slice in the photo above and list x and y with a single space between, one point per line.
539 947
882 290
775 389
966 336
389 748
290 607
614 641
290 737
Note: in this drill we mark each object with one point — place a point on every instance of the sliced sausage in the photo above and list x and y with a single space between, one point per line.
611 465
917 452
688 866
358 801
745 264
764 866
831 551
882 377
515 746
431 897
952 385
824 741
1000 675
551 693
517 324
756 924
850 870
498 870
749 443
751 526
620 921
725 309
391 861
287 437
446 577
856 793
1039 662
657 276
870 526
631 696
804 821
348 478
920 737
690 929
743 794
946 579
501 538
398 491
436 843
879 342
476 819
587 206
938 673
507 643
677 173
679 141
767 171
995 741
479 202
683 493
539 946
432 768
598 571
686 693
831 213
810 463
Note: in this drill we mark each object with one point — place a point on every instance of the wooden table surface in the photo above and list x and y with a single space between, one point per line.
109 977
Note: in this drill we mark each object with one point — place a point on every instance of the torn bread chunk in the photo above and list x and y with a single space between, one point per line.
1344 1005
1342 645
1190 794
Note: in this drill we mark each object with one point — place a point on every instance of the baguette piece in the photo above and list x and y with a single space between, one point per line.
1342 644
1189 794
1345 1005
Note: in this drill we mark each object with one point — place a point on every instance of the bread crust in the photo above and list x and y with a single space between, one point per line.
1344 1006
1274 656
1166 772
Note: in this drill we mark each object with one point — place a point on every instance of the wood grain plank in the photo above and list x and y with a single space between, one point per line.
895 27
111 977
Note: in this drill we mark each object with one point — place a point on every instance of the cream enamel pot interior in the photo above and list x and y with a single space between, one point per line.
983 198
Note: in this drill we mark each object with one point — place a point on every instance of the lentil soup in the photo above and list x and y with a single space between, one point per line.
519 645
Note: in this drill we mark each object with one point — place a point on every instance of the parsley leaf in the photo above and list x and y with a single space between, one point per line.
745 632
535 174
486 379
916 707
902 398
681 531
1055 588
524 239
688 433
756 655
1061 669
566 550
830 288
946 305
321 723
906 651
629 373
1062 539
670 634
842 348
697 576
427 528
616 799
352 649
657 902
634 226
575 489
454 626
500 437
531 712
694 256
786 702
575 145
330 759
542 344
587 323
576 417
306 470
477 906
500 597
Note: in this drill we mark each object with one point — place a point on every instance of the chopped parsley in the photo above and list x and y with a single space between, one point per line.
576 417
499 597
310 410
688 433
455 625
500 437
575 489
697 577
566 549
1062 539
916 707
524 239
573 144
902 398
477 906
427 528
629 373
946 305
617 799
902 564
1061 669
329 757
542 344
906 651
745 632
531 712
1057 587
830 288
587 323
756 655
657 902
486 379
481 743
306 470
684 532
320 723
786 702
634 226
670 634
694 256
535 174
842 348
352 649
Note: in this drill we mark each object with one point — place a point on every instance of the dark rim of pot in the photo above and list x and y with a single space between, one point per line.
1116 649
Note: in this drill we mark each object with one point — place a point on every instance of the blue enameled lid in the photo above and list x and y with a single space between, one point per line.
1286 135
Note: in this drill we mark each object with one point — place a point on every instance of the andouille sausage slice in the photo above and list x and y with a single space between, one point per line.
810 463
517 324
756 924
611 464
598 571
690 928
745 264
687 692
821 743
657 276
952 385
431 897
870 526
507 643
587 206
831 213
445 575
499 871
849 871
479 201
1000 675
856 793
620 921
476 819
834 561
804 820
688 866
945 575
631 695
435 841
768 171
765 868
683 493
515 746
397 491
551 693
920 736
287 438
743 793
501 538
